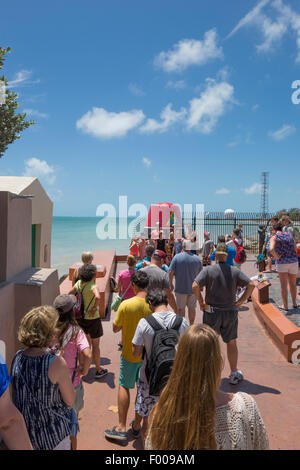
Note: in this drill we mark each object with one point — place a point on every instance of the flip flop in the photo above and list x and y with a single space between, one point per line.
283 308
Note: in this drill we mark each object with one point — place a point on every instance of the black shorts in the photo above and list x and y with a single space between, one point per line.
91 327
225 323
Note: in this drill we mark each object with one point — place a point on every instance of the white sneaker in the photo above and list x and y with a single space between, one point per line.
236 377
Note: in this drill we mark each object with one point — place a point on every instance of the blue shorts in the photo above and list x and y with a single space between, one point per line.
129 373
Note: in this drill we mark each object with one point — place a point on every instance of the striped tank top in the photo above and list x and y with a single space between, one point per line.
47 417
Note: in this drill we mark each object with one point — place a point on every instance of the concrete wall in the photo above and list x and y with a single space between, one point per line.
7 319
15 235
42 210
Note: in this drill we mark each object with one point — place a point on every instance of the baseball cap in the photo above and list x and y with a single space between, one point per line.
222 249
64 302
206 234
159 253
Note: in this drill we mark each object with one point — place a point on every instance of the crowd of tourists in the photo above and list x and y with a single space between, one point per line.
174 364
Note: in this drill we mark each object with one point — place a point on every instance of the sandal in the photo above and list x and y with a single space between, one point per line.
282 307
135 433
114 434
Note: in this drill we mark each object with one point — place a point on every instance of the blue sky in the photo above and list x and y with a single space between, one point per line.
159 101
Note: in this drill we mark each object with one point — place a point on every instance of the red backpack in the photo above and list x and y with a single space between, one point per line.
241 255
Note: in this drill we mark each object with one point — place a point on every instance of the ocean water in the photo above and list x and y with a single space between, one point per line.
73 235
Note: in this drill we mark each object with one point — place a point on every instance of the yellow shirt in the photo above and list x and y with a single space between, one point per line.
86 288
128 315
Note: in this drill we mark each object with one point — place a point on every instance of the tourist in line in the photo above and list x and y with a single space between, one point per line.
128 316
74 348
86 258
211 419
185 267
42 388
266 249
124 280
220 310
160 243
236 242
124 286
143 337
159 278
231 251
287 226
283 249
13 429
178 242
207 248
147 259
91 323
134 247
142 246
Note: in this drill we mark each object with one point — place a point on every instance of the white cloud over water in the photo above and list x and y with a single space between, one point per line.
189 52
106 125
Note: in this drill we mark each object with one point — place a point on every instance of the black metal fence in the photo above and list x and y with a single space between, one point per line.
253 225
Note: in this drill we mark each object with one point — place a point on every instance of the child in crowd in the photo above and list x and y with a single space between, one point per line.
74 347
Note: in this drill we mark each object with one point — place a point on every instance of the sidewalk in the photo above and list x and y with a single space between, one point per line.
272 381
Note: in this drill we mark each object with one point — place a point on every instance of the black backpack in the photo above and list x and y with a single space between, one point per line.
159 364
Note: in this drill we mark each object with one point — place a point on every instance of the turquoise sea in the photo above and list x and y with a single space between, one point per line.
73 235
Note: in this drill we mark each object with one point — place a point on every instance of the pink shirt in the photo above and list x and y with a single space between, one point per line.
124 279
74 347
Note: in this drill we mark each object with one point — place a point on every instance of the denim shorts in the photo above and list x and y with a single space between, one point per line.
129 373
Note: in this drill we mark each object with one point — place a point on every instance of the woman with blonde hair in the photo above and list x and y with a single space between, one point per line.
41 384
192 413
86 258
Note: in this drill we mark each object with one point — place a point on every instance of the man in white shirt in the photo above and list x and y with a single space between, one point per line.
158 301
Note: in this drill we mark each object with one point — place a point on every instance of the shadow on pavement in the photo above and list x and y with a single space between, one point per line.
109 379
247 387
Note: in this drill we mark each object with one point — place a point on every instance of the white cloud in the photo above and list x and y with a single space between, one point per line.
189 52
168 118
106 125
223 191
22 78
282 133
39 169
35 113
146 162
254 189
135 90
255 107
251 17
272 30
176 85
205 111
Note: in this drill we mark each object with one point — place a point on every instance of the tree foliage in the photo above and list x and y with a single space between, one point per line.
294 213
12 123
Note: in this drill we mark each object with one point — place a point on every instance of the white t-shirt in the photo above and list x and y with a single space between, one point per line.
144 334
